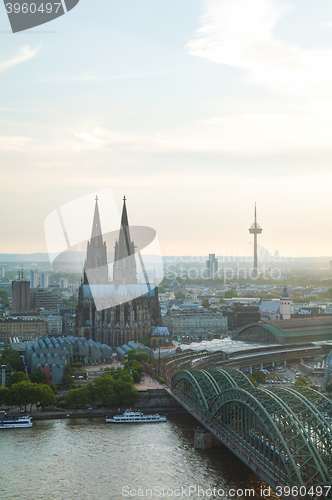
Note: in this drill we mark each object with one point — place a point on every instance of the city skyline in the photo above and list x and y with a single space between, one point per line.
202 109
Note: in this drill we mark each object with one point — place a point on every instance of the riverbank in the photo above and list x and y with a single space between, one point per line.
99 413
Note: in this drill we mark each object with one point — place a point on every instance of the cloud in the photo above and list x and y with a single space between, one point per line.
25 54
238 135
100 78
240 33
15 143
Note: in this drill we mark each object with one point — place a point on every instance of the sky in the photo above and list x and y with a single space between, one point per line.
192 109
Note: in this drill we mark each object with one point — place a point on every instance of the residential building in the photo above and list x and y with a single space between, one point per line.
54 325
20 295
23 329
45 298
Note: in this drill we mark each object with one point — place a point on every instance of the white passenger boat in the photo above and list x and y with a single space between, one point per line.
129 416
14 422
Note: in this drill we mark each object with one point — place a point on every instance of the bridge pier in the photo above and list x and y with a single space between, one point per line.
205 440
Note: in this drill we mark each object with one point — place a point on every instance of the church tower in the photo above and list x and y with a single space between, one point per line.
124 266
285 306
96 266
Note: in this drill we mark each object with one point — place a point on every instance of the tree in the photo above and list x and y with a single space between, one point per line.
4 296
136 370
259 377
125 390
21 394
230 294
37 377
300 383
205 303
302 379
328 388
142 356
252 380
146 341
44 395
4 393
67 381
110 389
77 398
53 387
15 378
179 296
131 353
12 357
71 302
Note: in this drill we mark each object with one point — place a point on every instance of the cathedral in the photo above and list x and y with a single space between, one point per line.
119 311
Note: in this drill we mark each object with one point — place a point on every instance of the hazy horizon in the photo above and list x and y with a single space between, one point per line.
194 110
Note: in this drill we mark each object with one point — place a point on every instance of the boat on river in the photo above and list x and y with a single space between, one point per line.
129 416
7 422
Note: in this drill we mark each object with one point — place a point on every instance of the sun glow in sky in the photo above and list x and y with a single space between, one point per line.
193 109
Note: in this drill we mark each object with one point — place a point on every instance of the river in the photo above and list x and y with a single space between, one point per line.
87 459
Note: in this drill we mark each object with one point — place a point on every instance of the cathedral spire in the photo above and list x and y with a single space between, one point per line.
95 267
96 225
124 218
124 267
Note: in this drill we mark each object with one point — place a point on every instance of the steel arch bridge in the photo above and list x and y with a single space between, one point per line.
283 434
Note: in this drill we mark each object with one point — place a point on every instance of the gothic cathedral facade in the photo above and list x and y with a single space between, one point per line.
136 309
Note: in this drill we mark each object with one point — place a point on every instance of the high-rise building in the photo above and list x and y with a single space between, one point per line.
211 267
43 280
34 278
63 282
21 295
255 229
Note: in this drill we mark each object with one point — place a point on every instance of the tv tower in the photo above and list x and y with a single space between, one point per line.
255 229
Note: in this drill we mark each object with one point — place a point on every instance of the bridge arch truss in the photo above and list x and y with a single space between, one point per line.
285 430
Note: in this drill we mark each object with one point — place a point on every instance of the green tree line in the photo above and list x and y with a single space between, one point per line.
12 357
113 388
27 393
